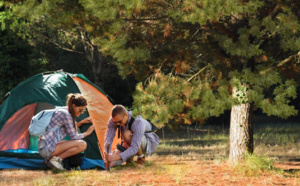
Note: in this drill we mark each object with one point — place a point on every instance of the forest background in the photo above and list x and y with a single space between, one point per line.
174 62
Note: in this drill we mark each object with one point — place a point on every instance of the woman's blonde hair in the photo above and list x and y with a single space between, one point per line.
79 100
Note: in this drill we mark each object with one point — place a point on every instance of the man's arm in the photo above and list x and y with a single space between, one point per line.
138 130
110 133
109 136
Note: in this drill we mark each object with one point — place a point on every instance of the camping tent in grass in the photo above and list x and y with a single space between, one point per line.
44 91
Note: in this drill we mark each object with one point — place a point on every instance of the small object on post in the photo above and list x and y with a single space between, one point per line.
107 150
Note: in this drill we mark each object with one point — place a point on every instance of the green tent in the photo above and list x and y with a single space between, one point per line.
44 91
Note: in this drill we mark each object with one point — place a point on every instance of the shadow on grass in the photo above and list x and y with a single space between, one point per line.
290 166
195 142
296 159
186 152
194 148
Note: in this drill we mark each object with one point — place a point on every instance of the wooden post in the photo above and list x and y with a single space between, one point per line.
107 150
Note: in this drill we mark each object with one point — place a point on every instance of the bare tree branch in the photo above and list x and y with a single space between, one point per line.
290 58
145 19
67 49
201 70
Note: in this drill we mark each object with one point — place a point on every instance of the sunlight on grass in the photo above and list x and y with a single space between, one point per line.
180 158
277 140
253 165
270 139
203 146
43 181
176 172
77 177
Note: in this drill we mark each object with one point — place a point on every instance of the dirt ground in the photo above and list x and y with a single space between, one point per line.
168 170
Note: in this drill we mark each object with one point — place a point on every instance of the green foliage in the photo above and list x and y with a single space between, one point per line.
279 105
254 165
212 50
266 91
173 100
18 59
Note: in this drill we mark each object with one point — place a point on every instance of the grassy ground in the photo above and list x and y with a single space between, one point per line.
273 138
194 155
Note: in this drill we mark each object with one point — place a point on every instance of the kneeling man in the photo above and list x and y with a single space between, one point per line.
137 137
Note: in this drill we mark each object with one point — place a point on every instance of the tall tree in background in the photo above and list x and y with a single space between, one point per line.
199 58
18 59
64 34
207 57
238 55
65 25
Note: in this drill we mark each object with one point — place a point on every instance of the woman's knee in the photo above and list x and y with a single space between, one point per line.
82 145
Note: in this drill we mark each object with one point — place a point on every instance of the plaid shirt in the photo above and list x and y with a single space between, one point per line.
138 128
62 118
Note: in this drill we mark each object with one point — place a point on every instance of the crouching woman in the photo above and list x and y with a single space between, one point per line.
51 146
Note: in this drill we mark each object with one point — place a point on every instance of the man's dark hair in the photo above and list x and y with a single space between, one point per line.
118 110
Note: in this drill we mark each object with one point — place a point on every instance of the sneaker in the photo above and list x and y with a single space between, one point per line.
141 161
129 160
56 162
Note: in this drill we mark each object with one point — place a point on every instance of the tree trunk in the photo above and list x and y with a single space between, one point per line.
96 58
98 67
241 132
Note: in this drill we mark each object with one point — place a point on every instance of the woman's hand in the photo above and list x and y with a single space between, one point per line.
89 131
86 120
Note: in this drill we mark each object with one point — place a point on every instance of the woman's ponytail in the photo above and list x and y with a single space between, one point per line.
78 100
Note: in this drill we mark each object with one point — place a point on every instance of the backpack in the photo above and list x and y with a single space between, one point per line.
153 127
73 162
40 121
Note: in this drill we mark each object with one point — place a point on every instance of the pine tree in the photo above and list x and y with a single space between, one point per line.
237 54
17 59
196 59
66 26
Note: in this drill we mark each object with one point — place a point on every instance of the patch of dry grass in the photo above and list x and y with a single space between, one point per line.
161 170
197 159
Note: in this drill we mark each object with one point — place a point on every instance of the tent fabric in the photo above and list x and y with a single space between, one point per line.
32 164
51 88
97 108
44 91
21 163
16 128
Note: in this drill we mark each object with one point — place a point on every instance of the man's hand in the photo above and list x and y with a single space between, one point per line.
113 157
